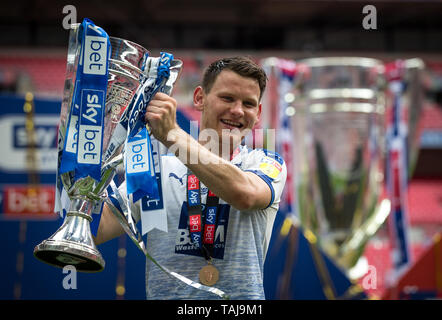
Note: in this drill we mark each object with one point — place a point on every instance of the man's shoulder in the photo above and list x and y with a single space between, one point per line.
273 155
261 153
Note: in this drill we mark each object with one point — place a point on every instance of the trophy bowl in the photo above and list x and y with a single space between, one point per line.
338 133
72 243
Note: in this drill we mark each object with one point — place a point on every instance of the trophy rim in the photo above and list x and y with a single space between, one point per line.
364 62
75 26
129 41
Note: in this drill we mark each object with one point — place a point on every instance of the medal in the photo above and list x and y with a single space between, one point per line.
209 275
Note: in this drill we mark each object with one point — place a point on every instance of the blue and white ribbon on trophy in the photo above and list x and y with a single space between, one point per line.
143 174
285 74
83 141
82 149
153 210
397 170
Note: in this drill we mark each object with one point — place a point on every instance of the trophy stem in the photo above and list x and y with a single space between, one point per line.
72 243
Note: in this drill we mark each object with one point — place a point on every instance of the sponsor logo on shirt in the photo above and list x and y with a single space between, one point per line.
270 167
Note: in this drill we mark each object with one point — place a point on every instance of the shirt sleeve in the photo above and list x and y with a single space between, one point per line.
271 168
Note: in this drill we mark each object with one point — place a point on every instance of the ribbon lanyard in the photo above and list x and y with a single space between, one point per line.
202 234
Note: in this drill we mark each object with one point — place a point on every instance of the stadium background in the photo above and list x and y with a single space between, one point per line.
33 46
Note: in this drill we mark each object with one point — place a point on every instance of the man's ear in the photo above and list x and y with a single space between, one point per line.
258 116
198 98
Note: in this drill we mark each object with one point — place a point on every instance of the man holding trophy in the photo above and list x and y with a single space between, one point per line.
208 211
221 203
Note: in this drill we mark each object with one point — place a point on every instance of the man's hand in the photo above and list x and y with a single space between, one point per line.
161 116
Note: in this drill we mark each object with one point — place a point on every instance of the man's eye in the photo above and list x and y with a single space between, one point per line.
249 104
227 98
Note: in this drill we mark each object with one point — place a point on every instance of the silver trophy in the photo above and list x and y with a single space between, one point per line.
72 243
338 136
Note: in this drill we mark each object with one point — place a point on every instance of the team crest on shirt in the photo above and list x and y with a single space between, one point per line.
183 242
270 167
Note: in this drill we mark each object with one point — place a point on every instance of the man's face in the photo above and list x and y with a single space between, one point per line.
231 107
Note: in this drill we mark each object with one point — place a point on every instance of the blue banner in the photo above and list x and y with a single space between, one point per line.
142 180
93 73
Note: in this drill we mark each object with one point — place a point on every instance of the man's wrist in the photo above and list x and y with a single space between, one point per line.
174 138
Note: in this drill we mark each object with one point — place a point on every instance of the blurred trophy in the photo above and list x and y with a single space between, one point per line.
338 136
93 128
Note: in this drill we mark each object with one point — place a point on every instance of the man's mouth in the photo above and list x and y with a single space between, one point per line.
232 123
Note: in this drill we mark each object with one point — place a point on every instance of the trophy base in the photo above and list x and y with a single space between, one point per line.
62 253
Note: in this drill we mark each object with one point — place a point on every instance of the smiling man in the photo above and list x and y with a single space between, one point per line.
220 211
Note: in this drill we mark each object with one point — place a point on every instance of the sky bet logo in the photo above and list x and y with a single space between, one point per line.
45 136
195 223
193 182
14 142
90 132
137 155
193 194
211 214
95 55
21 201
193 198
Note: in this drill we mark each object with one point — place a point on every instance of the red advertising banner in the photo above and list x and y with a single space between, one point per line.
29 202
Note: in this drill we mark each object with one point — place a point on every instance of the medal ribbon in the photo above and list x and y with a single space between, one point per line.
201 235
118 208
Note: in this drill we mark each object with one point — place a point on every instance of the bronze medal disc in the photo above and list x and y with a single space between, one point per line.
209 275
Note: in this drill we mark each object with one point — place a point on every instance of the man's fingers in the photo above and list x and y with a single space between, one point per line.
153 114
155 109
161 96
158 104
160 114
161 106
149 116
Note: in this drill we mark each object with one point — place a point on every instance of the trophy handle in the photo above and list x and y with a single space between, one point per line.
127 226
356 243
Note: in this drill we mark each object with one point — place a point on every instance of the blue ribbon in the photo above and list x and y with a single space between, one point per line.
141 179
397 141
84 137
139 169
93 86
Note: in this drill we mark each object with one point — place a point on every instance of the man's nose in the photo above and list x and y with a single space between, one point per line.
237 109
